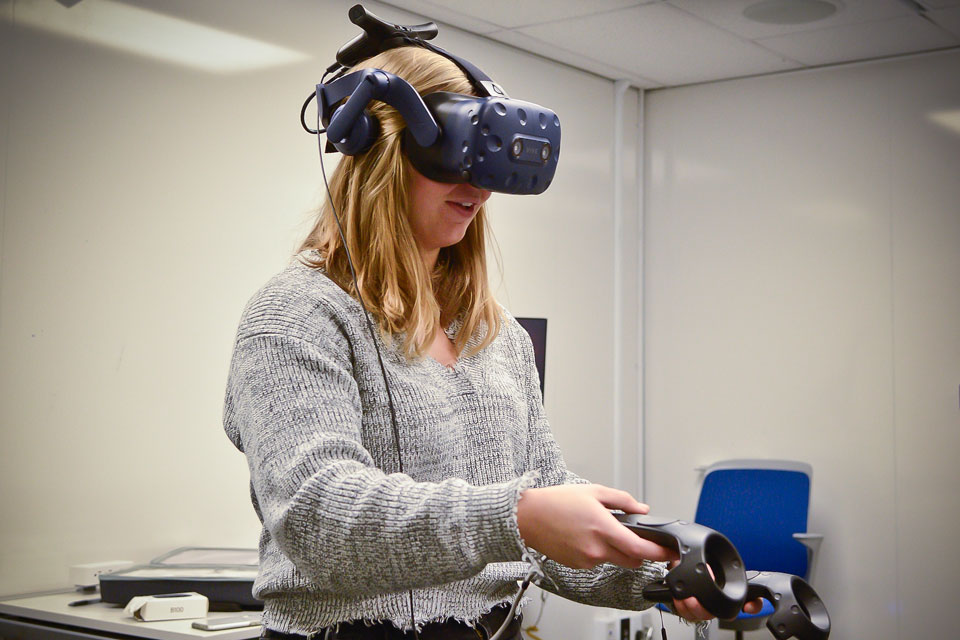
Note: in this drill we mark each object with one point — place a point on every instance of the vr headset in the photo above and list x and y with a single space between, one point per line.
490 140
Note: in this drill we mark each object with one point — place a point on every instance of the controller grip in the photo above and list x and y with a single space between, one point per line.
798 610
703 552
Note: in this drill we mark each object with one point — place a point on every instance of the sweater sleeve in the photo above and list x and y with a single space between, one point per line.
293 407
605 585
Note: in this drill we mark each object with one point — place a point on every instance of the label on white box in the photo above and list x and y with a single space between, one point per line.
169 606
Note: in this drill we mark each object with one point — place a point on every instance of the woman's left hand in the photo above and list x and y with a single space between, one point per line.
691 609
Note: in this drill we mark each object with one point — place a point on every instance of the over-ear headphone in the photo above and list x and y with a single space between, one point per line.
490 141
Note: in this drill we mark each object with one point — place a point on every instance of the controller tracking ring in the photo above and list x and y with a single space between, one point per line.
723 594
798 610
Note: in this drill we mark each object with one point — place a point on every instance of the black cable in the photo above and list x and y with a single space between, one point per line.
366 313
531 575
303 122
318 130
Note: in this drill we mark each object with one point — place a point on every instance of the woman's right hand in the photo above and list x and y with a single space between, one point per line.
572 524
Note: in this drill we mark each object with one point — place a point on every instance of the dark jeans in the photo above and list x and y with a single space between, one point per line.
487 625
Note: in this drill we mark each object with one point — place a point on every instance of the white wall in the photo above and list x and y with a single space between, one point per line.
145 201
803 254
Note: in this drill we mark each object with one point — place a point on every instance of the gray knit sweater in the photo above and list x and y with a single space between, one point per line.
345 534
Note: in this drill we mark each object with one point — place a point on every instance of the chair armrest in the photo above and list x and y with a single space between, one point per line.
812 542
809 540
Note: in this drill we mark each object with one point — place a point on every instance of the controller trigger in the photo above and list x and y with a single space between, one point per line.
657 591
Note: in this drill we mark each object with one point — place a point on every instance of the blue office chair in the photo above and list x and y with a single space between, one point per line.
761 505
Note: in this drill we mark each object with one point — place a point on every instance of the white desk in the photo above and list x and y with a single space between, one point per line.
48 616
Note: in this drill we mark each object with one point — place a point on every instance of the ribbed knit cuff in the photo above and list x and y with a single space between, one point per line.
494 522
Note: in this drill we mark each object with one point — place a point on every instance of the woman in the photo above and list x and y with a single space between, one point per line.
424 525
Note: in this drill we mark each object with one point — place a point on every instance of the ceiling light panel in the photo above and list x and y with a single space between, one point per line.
789 11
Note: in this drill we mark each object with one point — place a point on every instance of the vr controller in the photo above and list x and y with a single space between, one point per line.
722 594
798 610
489 140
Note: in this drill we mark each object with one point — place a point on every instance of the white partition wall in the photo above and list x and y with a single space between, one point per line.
802 302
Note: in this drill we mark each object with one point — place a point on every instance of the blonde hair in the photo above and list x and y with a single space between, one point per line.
371 193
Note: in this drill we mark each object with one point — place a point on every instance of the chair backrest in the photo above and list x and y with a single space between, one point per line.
759 505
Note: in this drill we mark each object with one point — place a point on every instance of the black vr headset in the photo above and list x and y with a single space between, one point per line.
492 141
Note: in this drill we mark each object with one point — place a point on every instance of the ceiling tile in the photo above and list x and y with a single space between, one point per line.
439 12
861 41
728 15
949 19
528 43
516 13
660 42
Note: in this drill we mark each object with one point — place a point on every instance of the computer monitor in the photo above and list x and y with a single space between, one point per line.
537 328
